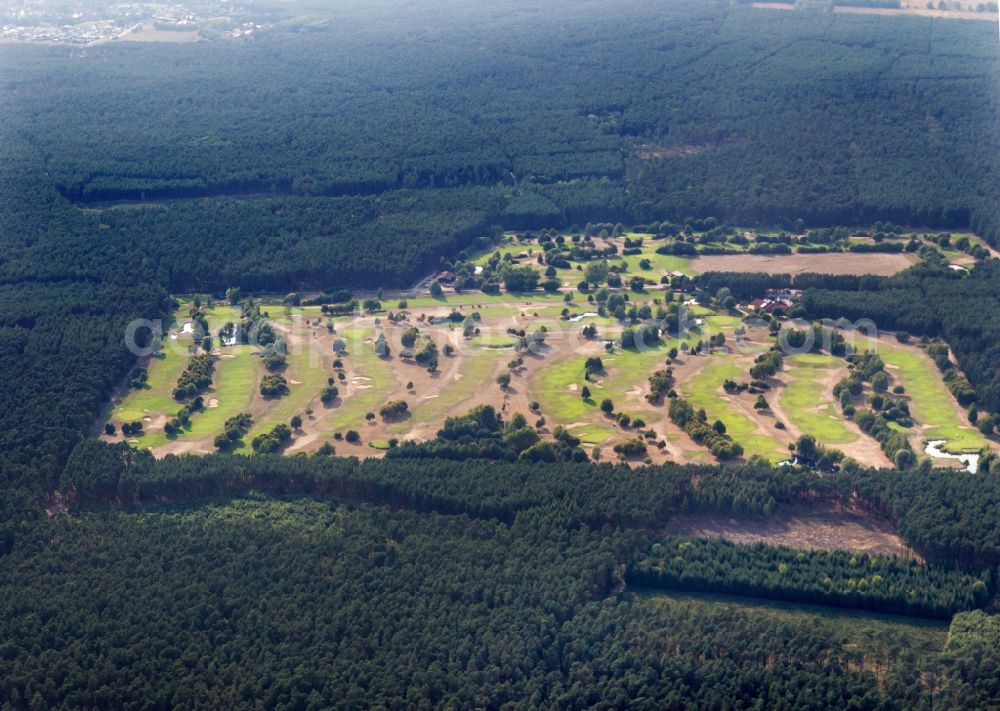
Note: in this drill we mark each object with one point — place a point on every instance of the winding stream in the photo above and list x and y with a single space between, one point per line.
971 461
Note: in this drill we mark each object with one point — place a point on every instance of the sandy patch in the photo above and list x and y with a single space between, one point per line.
213 402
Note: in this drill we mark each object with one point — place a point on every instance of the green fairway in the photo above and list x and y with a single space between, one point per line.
553 387
628 369
804 402
474 373
702 391
507 247
932 404
658 263
307 373
233 387
379 381
155 398
473 298
233 382
625 370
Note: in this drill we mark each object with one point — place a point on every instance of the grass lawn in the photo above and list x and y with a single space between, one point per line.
307 372
560 404
931 401
362 361
702 391
233 386
475 372
803 399
658 263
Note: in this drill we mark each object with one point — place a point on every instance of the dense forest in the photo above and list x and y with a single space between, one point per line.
263 163
359 155
507 581
308 605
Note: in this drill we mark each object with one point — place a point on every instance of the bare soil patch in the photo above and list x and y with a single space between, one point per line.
877 264
824 527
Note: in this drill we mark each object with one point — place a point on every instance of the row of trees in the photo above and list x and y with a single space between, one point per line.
840 578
